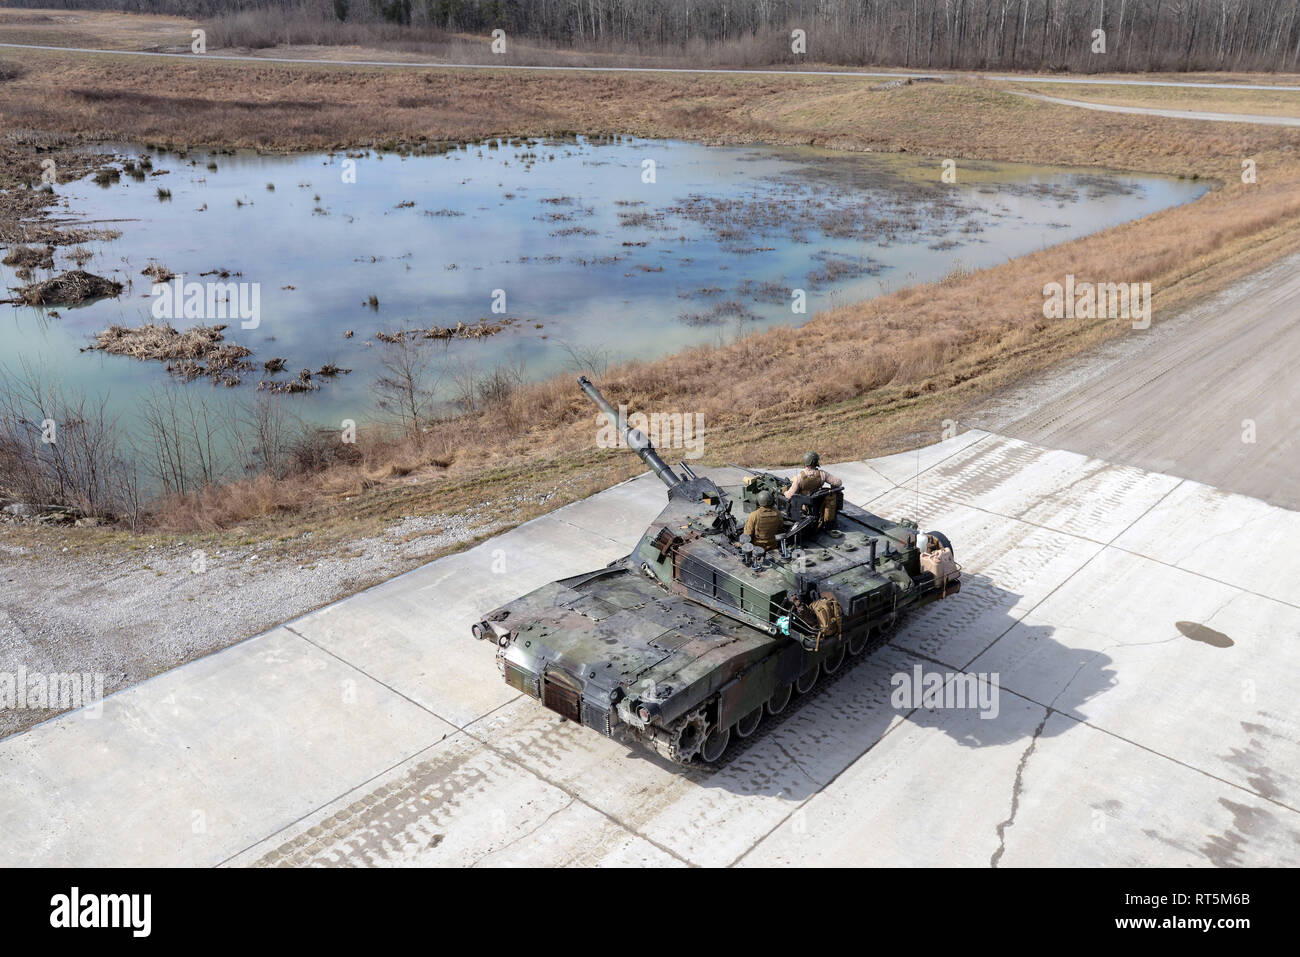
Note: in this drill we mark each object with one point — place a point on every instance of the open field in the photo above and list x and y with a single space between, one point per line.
864 379
114 31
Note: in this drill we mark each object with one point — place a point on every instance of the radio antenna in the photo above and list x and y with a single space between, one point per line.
918 484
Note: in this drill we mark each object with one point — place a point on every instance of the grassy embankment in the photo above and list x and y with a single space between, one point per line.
863 379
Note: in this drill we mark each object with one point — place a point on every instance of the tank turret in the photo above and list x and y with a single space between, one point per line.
699 633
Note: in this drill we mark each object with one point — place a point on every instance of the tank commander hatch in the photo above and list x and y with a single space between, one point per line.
764 523
812 478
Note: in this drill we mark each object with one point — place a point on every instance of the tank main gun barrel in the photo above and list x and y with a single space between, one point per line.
635 438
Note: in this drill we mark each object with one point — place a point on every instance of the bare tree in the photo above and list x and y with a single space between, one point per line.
266 434
60 449
407 385
962 34
587 358
187 440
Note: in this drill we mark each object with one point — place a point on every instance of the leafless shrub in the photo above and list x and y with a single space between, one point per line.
312 451
268 431
58 448
406 386
504 397
584 358
186 440
464 385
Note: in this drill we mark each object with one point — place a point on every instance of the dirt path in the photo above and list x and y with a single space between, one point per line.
1182 397
1174 114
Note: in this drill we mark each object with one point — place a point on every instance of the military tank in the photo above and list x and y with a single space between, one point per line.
695 637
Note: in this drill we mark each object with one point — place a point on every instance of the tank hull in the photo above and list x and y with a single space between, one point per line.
703 629
589 646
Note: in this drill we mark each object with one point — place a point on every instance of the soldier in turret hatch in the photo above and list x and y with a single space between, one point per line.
812 478
764 522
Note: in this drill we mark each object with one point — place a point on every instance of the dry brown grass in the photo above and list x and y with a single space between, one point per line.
863 379
196 351
28 257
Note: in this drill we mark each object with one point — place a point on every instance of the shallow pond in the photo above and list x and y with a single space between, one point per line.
608 250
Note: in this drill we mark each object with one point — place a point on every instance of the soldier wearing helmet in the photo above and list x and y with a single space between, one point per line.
764 523
811 478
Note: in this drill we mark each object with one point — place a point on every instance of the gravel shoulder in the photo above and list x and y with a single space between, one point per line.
129 613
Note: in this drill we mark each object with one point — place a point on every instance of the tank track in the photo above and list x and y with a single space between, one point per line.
738 745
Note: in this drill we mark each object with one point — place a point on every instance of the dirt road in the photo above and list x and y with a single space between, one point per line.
1210 395
888 74
1173 114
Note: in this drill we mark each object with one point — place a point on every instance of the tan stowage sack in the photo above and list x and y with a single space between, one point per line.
829 616
939 563
830 508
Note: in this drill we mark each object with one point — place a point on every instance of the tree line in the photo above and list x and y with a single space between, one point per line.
918 34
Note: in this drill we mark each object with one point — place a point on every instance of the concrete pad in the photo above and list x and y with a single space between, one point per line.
1224 536
918 798
1008 567
619 514
260 746
1050 792
1064 491
457 804
412 632
1118 658
212 756
902 468
1091 799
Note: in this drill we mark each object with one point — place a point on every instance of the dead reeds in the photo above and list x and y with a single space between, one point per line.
66 289
189 354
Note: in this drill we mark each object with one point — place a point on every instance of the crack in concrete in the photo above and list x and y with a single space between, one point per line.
795 761
527 834
1015 791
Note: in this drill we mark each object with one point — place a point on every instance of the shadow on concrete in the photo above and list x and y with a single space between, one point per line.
841 720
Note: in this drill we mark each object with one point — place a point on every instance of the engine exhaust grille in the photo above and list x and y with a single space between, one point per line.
561 694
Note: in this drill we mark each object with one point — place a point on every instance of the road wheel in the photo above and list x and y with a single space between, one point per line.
780 698
831 663
804 683
714 745
858 643
749 723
